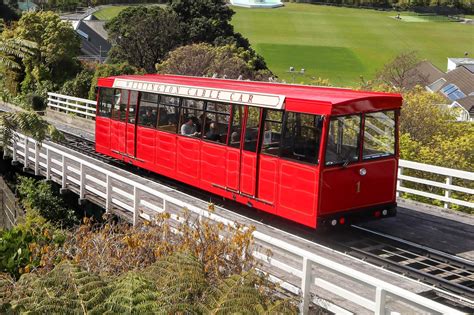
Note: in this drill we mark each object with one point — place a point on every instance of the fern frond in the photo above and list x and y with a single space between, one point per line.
180 281
131 294
65 290
236 294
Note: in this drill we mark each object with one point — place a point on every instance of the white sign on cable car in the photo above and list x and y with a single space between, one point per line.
212 94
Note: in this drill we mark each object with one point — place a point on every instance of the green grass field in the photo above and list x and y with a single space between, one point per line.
109 12
342 44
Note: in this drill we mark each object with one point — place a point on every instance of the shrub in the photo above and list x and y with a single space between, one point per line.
22 247
38 195
37 102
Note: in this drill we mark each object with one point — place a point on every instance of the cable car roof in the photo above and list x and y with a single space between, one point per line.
323 100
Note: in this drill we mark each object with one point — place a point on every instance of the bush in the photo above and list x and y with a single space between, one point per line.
22 247
79 86
38 195
37 102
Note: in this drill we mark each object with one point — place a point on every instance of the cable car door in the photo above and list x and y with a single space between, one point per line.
131 125
249 148
119 122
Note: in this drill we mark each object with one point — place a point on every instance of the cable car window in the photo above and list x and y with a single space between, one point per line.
216 122
148 110
106 101
343 140
379 135
302 137
119 111
168 113
251 129
192 114
272 133
236 126
132 107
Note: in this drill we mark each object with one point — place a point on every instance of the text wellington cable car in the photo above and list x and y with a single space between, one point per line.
314 155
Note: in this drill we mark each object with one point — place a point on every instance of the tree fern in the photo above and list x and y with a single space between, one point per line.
13 48
131 294
180 281
65 290
236 294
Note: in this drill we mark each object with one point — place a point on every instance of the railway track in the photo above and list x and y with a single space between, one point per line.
450 273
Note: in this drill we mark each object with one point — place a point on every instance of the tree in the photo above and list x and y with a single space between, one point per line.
58 46
205 20
423 115
206 60
142 36
208 21
107 70
401 72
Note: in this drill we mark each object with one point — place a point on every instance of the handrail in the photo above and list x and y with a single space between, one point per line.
122 190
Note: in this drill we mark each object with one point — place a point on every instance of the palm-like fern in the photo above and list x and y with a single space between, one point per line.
13 48
173 285
65 290
180 281
131 294
26 122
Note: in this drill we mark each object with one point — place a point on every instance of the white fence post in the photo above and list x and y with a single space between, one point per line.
14 154
64 176
26 156
37 157
108 194
48 164
136 200
380 301
306 279
82 184
447 192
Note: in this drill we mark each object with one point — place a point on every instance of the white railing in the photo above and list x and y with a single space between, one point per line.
72 105
87 108
300 271
447 186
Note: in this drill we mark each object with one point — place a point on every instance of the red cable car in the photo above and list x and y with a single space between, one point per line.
314 155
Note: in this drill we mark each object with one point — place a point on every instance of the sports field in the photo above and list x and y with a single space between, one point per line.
342 44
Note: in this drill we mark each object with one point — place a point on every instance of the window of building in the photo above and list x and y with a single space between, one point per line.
272 132
302 137
343 140
191 117
119 111
251 129
168 113
106 101
236 126
379 135
216 122
132 107
148 110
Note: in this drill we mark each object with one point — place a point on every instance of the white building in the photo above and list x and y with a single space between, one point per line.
257 3
454 63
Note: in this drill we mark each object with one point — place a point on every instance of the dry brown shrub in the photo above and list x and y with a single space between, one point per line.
114 248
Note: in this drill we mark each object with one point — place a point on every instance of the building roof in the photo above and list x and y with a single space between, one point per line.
469 67
462 61
301 94
467 103
462 78
423 74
